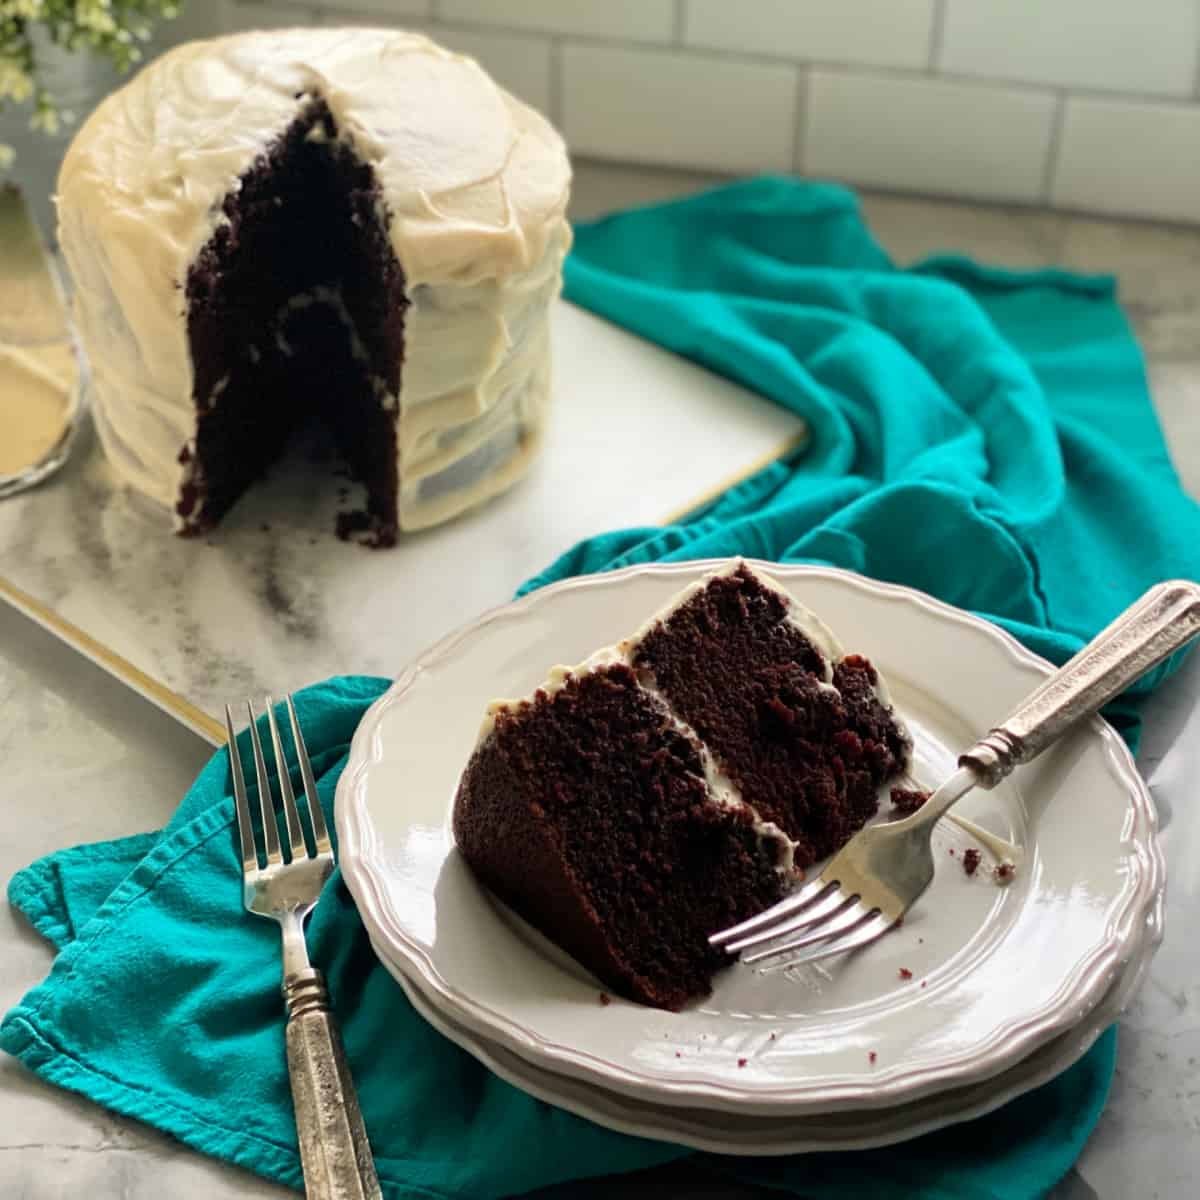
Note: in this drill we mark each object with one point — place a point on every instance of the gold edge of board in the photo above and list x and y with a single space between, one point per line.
146 686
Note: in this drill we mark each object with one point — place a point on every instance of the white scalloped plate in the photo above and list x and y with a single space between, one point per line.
855 1129
996 972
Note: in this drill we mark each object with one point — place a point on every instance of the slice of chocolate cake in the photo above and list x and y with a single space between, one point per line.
677 782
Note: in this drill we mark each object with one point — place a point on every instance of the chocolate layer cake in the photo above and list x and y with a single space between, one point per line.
353 229
677 782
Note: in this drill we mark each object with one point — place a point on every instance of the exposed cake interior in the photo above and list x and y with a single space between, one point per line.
672 784
622 812
296 312
805 733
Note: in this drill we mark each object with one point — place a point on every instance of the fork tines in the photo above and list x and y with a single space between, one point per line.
297 846
827 919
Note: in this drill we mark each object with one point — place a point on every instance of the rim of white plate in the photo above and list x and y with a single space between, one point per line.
1091 977
685 1127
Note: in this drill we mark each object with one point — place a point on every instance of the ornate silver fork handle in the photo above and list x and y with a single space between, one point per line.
1166 618
333 1140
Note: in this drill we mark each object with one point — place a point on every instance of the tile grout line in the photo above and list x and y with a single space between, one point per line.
800 120
1053 147
937 35
677 34
915 75
1196 80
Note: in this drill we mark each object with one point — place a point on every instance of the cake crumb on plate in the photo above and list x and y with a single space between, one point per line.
906 801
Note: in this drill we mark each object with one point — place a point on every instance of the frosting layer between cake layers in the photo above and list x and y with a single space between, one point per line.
473 191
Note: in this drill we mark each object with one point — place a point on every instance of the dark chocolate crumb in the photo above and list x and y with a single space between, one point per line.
741 1062
871 1057
677 1054
770 1037
906 801
365 530
971 861
923 982
905 973
1004 872
951 851
605 998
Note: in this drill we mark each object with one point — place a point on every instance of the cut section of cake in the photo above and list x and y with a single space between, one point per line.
678 782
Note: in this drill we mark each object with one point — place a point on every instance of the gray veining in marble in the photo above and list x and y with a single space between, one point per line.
86 760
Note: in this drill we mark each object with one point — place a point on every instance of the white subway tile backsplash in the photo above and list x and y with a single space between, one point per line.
1122 156
1149 46
965 102
888 32
629 20
928 135
680 109
391 9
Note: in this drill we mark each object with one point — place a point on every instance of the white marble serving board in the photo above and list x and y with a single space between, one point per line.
273 600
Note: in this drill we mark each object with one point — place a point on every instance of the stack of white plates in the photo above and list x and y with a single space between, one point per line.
985 991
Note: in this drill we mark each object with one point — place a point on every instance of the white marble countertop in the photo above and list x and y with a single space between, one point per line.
101 763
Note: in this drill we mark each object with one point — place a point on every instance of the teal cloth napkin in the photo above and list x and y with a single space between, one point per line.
986 436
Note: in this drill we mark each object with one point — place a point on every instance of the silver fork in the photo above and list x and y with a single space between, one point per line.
284 886
878 875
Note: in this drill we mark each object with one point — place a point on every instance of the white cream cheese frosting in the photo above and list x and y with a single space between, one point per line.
474 185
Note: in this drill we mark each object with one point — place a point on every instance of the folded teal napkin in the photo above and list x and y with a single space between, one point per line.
982 435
